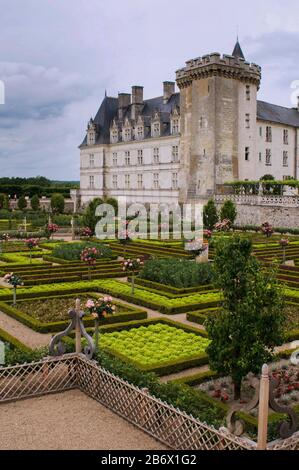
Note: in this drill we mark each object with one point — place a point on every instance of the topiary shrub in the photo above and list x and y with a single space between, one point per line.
177 273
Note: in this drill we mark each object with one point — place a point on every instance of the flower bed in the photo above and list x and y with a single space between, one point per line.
162 347
51 314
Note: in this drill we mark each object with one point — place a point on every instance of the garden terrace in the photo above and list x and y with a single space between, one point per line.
50 314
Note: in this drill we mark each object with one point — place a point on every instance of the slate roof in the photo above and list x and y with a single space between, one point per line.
278 114
237 52
109 110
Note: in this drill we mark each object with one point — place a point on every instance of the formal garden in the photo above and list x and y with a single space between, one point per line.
194 334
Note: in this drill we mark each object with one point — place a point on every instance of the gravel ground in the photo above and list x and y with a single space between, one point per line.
69 420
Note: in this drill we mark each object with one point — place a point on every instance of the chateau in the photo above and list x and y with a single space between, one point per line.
183 146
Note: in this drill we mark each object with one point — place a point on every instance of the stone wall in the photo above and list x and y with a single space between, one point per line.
255 210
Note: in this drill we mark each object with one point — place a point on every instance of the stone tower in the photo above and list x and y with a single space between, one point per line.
218 120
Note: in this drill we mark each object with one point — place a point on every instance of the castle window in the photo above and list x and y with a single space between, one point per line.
127 134
286 136
140 133
260 156
175 154
156 129
175 126
114 159
285 159
127 181
114 182
268 157
127 158
91 138
268 134
247 153
140 181
114 136
156 155
174 181
261 132
201 122
140 157
91 182
247 121
248 92
91 160
156 180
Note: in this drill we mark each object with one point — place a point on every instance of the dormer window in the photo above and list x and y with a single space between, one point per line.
91 133
127 134
114 136
156 129
140 133
175 126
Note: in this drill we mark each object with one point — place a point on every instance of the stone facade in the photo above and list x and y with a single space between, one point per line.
182 146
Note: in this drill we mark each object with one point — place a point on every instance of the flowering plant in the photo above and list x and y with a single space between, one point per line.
223 226
52 228
284 242
86 232
99 309
89 256
267 229
132 265
4 237
15 281
208 234
31 243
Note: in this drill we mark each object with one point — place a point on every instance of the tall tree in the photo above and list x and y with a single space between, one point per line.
89 218
57 203
210 215
22 203
229 211
34 201
251 322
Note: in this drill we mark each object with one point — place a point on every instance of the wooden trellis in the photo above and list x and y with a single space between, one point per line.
169 425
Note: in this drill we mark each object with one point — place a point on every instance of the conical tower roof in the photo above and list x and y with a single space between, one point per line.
237 52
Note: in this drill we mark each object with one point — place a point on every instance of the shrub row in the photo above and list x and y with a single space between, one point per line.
169 289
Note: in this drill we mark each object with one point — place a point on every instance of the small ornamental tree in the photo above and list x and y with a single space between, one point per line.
132 266
267 229
4 237
124 236
251 322
210 215
99 309
15 281
89 257
51 229
22 203
34 201
57 203
229 211
284 243
86 232
31 243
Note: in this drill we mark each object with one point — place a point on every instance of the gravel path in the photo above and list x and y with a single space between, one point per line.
68 421
23 333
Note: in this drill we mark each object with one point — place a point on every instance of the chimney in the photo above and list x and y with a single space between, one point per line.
124 100
168 91
137 101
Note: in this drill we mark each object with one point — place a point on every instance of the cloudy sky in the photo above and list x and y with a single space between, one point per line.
57 57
